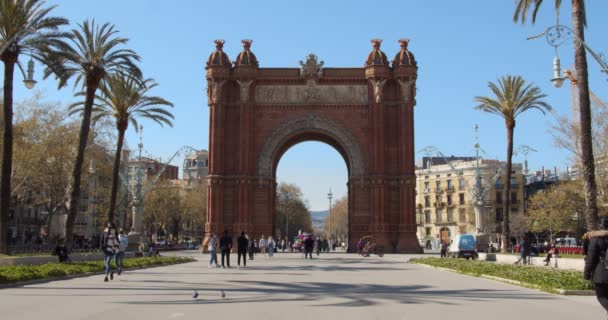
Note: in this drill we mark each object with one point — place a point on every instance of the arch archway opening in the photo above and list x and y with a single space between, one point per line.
305 167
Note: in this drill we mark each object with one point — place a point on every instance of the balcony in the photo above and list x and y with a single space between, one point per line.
462 203
461 187
450 189
427 190
514 185
439 190
427 204
499 186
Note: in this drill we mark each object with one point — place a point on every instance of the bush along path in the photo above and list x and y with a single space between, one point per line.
15 274
547 279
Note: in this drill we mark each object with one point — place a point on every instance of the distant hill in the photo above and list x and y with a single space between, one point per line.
317 219
319 215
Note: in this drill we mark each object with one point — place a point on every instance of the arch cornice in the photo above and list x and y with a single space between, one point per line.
311 123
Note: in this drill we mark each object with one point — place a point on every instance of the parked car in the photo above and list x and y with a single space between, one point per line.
463 246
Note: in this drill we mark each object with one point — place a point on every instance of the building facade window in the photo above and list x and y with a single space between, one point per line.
513 197
450 215
427 216
427 231
499 215
461 198
438 216
427 201
449 199
450 185
499 197
438 186
427 189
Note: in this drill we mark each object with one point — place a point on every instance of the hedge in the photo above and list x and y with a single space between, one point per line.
12 274
548 279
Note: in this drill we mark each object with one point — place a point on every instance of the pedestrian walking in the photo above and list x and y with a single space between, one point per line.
524 250
283 245
251 248
262 243
109 244
318 246
123 243
595 262
212 247
242 245
444 249
270 246
309 244
226 246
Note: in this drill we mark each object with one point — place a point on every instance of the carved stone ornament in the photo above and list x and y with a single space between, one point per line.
378 85
311 69
311 93
245 85
315 123
406 89
215 90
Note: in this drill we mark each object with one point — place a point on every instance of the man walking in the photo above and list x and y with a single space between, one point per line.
242 245
226 246
309 244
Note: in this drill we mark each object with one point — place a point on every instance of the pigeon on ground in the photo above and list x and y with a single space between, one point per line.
195 295
223 295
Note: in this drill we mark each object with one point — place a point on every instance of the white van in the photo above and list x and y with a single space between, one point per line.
566 242
463 246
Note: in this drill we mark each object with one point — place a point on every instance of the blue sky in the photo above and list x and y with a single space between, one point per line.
459 45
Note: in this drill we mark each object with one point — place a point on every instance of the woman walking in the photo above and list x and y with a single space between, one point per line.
595 262
270 245
109 245
263 245
212 247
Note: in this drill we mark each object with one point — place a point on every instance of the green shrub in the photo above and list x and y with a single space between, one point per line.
545 278
11 274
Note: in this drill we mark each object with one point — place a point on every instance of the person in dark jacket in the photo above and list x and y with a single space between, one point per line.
242 244
226 246
524 250
251 248
62 252
595 264
309 244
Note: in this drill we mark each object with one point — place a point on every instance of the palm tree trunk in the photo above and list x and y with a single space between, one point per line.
115 176
506 229
7 155
77 171
587 159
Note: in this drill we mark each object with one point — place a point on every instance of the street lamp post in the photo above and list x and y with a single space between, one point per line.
329 196
558 34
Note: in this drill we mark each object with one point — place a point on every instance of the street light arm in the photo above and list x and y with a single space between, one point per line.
557 34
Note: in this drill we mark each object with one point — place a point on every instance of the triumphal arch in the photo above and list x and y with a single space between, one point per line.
366 114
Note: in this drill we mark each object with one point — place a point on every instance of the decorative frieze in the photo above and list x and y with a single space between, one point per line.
311 94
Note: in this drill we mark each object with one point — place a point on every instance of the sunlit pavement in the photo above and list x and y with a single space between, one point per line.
334 286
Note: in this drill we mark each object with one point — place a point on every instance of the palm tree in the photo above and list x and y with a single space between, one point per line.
513 97
92 54
125 99
579 22
24 27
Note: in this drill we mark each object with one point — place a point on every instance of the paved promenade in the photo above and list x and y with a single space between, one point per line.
336 286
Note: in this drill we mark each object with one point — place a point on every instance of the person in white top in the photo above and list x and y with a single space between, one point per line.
123 243
212 247
263 245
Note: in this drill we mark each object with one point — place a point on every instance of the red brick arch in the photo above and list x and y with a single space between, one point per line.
366 114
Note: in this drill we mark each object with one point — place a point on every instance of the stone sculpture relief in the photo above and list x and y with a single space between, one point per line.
311 122
245 85
311 69
214 90
406 88
311 94
378 85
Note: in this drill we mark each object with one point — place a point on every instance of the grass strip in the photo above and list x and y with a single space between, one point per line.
12 274
548 279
